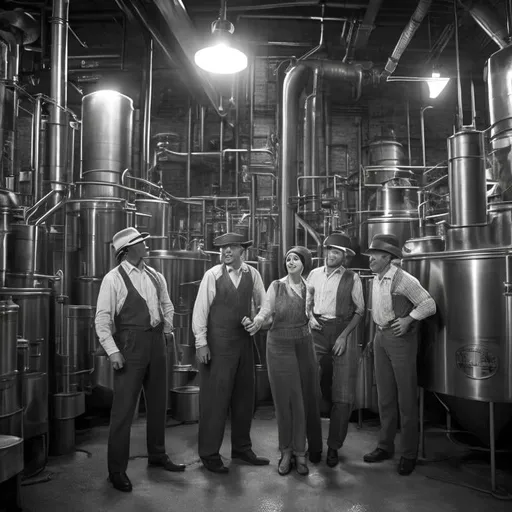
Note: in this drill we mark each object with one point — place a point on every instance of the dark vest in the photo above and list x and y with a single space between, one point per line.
230 305
345 306
134 314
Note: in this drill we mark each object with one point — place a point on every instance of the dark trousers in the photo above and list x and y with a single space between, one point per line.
145 367
227 381
396 376
338 378
293 375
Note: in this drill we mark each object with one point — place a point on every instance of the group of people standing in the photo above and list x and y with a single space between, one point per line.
310 315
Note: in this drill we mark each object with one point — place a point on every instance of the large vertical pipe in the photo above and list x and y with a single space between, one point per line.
58 88
145 100
292 87
306 143
315 142
36 150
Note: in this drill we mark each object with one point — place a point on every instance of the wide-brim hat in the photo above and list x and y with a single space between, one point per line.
128 237
304 255
340 241
231 239
385 243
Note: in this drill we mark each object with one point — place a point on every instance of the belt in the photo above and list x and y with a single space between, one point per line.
337 319
156 328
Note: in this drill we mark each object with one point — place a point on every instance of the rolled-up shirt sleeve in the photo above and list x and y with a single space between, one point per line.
166 305
357 295
204 299
269 303
424 304
105 313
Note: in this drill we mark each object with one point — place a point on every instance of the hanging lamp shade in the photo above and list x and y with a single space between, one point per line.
436 84
220 57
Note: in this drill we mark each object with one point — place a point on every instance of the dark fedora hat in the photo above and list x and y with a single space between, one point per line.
231 239
386 243
339 241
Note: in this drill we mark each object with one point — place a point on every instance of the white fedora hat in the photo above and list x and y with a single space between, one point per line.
128 237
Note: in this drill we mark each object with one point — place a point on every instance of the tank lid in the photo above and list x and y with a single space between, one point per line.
8 305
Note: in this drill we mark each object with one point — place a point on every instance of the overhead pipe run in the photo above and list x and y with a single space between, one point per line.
293 85
406 36
486 16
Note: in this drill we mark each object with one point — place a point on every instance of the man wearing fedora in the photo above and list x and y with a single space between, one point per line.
399 302
134 318
337 307
229 296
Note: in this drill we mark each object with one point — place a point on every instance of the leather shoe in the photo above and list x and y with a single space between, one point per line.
284 465
301 465
406 466
215 465
120 481
332 457
166 463
315 457
378 455
250 457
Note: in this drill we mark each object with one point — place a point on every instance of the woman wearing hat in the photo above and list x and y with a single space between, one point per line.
291 360
398 303
133 314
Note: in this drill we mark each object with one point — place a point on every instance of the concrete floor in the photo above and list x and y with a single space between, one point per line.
77 482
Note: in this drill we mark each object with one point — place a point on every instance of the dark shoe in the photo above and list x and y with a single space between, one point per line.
406 466
215 465
250 457
284 465
332 457
315 457
301 465
120 482
378 455
166 463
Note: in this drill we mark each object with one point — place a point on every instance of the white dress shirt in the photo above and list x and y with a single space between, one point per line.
410 287
113 293
325 289
208 289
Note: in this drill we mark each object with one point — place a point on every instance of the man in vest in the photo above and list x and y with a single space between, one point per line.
229 296
399 302
134 319
338 306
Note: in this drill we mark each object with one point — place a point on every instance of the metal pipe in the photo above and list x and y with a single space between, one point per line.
508 7
306 138
408 115
253 206
290 17
460 111
320 42
292 87
202 120
293 5
252 84
31 211
36 137
310 231
49 213
360 181
145 99
189 166
492 442
422 123
95 56
218 153
486 17
58 118
315 143
406 36
221 154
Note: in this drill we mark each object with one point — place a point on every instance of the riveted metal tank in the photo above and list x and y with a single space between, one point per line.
156 220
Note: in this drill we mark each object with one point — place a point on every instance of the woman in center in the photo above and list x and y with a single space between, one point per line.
292 366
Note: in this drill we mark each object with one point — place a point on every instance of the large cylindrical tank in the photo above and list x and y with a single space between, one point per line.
74 352
27 249
386 152
33 322
499 90
179 267
99 220
467 179
402 227
156 220
107 129
8 336
468 345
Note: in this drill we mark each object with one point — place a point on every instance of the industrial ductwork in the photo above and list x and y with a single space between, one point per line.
486 16
293 85
172 30
406 36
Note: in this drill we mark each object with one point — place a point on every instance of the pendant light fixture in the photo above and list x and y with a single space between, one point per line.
436 84
220 57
